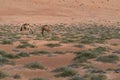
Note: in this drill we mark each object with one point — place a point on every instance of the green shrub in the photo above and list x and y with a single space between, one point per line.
25 45
59 52
108 59
39 52
87 39
3 60
77 78
7 42
65 72
79 46
67 41
83 56
10 56
98 77
38 78
35 65
23 54
52 45
100 50
2 75
3 52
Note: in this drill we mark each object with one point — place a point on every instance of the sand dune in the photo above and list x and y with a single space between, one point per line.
59 11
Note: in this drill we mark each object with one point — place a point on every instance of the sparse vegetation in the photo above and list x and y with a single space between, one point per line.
98 77
83 56
3 60
65 72
79 46
76 77
82 34
25 45
3 52
7 41
2 75
23 54
39 52
108 59
35 65
10 56
38 78
53 45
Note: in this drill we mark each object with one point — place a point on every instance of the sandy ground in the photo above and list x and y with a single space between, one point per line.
59 11
54 61
51 12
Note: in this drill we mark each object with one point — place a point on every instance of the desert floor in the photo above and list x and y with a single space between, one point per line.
86 45
85 51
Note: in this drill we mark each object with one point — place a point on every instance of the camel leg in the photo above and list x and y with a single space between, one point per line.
30 29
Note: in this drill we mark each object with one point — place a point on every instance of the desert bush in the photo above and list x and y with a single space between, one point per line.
108 59
3 60
59 52
99 50
3 52
2 75
87 39
39 52
7 41
66 40
10 56
65 72
76 77
23 54
53 45
38 78
79 46
35 65
98 77
25 45
83 56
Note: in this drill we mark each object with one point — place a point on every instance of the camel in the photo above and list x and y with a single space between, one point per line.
46 28
25 27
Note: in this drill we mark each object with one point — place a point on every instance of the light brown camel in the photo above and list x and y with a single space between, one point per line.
46 28
26 27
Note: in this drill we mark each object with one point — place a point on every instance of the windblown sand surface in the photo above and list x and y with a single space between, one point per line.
59 11
74 38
